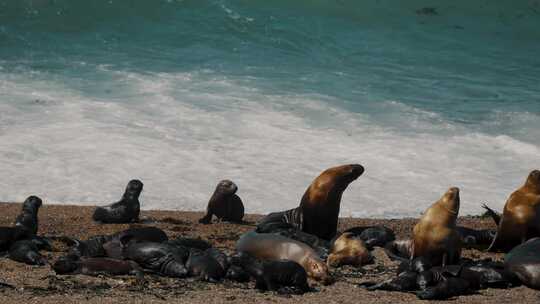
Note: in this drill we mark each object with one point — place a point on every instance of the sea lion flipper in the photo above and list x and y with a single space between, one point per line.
492 213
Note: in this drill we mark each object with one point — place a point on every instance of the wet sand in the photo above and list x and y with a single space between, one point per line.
40 285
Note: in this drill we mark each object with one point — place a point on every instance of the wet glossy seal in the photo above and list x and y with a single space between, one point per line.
124 211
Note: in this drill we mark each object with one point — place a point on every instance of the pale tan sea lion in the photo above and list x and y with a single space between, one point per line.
435 235
348 249
273 247
521 216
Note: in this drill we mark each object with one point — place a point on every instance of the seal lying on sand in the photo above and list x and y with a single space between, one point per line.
158 257
373 235
348 250
124 211
287 230
273 247
435 235
444 282
27 251
115 244
521 216
96 266
524 262
205 266
28 218
224 204
319 208
9 235
112 245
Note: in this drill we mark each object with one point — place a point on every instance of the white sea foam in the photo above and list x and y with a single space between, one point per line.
181 133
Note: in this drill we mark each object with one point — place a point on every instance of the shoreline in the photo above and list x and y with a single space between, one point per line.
40 284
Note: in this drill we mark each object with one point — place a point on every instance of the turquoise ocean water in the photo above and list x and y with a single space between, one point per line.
425 94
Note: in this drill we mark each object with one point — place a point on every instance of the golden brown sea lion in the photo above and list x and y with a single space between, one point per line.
348 249
224 204
435 235
274 247
521 216
321 201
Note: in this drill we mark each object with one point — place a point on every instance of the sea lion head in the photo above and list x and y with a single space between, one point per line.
226 187
133 189
533 181
341 176
32 203
319 271
450 200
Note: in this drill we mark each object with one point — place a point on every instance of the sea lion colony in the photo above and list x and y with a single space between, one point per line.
288 248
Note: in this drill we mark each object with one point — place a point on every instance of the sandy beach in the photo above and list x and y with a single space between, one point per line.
41 285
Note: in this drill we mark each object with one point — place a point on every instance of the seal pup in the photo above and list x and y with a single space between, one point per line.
478 239
267 246
26 251
116 242
124 211
524 262
282 276
319 208
373 235
521 216
9 235
28 218
224 204
435 235
348 249
399 250
205 266
96 266
158 257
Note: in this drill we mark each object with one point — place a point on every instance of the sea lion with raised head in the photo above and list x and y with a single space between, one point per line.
224 204
124 211
435 235
521 216
348 249
273 247
319 208
28 218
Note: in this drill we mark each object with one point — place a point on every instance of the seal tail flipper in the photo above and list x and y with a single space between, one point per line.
493 214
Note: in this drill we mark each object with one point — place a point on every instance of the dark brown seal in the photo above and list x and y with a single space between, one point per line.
521 216
435 235
273 247
321 201
124 211
319 208
224 204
